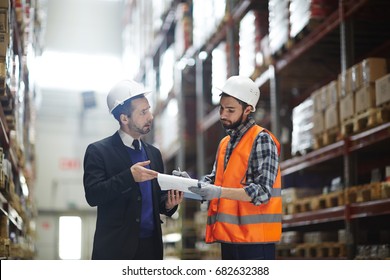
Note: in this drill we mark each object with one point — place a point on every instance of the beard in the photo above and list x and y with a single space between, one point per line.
232 125
141 130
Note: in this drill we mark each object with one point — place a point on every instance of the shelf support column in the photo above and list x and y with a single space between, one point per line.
180 158
347 59
346 39
231 40
275 102
199 86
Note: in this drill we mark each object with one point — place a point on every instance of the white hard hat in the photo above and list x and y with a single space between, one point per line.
122 91
242 88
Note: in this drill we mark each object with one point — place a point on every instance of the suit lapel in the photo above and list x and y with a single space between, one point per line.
150 156
120 149
153 166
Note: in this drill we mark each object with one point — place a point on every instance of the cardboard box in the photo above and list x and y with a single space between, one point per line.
4 3
290 195
4 43
345 82
356 77
347 106
332 116
318 123
372 69
3 21
365 98
324 97
333 92
4 225
3 71
317 237
382 90
316 96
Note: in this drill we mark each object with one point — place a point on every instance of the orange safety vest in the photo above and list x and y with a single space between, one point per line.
233 221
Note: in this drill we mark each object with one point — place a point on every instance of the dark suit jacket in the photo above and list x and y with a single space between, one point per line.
109 185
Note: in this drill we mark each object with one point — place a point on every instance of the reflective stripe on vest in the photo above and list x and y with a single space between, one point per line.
233 221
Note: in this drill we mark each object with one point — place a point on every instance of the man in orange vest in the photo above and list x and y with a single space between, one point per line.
244 187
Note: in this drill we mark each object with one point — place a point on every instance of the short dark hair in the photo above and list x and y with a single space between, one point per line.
126 108
242 103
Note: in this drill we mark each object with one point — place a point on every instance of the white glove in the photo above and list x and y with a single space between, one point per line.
206 190
180 174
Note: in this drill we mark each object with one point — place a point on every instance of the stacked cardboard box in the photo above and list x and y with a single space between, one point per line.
371 70
332 111
326 114
302 135
358 93
4 27
278 24
4 42
382 90
305 13
319 112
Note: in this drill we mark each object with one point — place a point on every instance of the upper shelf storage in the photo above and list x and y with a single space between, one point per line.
314 58
339 213
345 146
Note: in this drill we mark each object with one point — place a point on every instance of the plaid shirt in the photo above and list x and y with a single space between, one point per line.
262 164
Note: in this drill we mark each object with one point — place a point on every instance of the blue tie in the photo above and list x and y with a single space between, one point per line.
136 144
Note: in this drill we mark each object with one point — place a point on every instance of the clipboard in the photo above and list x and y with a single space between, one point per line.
171 182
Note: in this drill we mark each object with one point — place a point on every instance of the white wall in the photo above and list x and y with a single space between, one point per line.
48 234
63 128
63 131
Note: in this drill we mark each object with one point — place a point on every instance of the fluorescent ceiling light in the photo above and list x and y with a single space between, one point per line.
73 71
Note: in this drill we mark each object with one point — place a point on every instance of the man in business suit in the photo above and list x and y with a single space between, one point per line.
120 174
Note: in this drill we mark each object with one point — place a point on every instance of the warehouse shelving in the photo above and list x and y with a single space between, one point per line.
310 62
352 31
17 207
338 213
351 157
337 149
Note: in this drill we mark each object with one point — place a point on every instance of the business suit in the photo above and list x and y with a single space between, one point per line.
110 186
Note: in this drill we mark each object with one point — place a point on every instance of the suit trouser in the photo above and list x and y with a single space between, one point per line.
146 249
248 251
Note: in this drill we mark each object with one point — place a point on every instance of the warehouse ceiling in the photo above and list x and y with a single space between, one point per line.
82 44
84 26
82 49
81 53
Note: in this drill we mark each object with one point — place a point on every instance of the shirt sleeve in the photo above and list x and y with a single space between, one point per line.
210 178
262 169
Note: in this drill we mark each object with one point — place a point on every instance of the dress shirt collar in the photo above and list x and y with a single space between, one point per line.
127 139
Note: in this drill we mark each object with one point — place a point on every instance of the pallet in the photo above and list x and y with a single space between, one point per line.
313 203
4 248
285 250
306 204
364 193
366 119
322 250
288 209
318 141
331 135
383 113
385 190
327 137
332 199
347 126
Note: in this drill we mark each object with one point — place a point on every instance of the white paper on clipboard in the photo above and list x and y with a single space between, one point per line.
170 182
